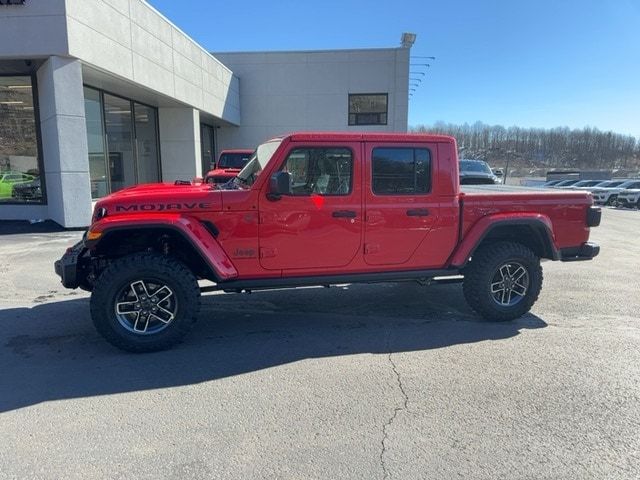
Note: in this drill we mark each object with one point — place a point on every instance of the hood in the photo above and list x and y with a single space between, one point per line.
223 172
160 198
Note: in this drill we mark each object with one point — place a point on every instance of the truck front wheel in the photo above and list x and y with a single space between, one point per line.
145 302
502 281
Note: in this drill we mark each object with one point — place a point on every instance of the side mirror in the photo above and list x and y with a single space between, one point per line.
279 184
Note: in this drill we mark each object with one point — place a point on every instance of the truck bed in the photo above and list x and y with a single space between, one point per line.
508 189
566 210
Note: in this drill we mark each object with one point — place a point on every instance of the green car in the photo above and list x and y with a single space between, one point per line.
9 179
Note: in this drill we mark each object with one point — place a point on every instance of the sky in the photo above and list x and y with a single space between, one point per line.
539 63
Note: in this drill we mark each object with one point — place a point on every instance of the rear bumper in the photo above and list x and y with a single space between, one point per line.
67 267
586 251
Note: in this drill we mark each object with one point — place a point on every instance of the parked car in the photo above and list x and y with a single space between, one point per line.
551 183
229 164
566 183
607 184
586 184
629 198
608 195
320 209
9 179
27 191
476 172
498 172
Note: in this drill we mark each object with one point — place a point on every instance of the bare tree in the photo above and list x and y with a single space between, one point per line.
529 149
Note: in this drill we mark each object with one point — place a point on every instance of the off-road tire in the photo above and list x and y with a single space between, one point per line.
479 273
128 269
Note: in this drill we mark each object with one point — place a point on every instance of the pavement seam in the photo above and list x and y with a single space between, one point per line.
396 411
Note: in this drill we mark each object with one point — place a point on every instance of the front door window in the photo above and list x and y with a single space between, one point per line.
319 224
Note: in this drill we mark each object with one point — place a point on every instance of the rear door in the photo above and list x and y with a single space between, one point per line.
320 224
400 207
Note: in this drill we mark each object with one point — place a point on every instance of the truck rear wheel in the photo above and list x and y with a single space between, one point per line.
145 302
502 281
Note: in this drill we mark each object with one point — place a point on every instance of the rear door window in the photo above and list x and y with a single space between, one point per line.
400 171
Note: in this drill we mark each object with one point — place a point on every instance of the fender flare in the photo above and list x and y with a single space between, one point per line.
483 227
196 233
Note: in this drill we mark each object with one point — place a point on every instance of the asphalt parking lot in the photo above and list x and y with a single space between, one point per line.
365 381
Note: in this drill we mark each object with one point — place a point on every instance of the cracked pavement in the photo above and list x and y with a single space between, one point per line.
364 381
396 411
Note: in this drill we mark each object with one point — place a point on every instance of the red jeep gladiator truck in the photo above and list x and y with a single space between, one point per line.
230 162
320 209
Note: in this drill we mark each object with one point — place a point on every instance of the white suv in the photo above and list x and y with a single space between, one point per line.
629 197
608 194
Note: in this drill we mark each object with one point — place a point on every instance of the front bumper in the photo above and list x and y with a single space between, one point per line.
67 267
586 251
628 201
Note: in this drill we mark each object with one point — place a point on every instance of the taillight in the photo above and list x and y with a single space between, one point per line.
594 215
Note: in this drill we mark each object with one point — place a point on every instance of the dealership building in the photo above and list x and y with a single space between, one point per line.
98 95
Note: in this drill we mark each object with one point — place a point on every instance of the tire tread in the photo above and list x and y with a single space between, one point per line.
484 260
153 261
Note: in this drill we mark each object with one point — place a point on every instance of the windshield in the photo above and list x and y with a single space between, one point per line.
233 160
474 166
249 174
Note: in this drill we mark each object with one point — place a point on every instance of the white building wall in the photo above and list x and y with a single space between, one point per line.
180 150
35 29
128 39
64 141
282 92
131 39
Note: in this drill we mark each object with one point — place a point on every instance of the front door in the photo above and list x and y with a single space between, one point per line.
400 208
319 225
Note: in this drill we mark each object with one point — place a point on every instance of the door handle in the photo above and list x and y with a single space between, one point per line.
418 212
344 214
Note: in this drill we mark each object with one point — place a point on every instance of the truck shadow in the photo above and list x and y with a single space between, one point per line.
51 351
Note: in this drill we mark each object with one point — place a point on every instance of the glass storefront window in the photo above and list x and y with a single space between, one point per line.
206 140
20 180
123 142
95 141
119 130
146 143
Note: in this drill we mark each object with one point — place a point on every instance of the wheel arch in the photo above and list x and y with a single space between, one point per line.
534 232
191 241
